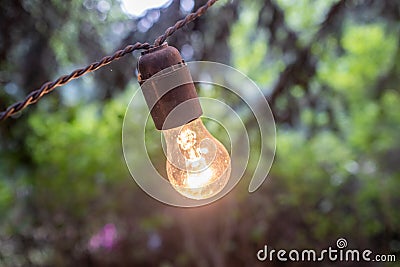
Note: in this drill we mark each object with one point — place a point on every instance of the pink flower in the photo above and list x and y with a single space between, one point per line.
105 238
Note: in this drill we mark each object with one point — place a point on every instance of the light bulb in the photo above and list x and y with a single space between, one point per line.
198 165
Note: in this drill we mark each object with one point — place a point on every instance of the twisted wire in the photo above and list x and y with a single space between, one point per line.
179 24
48 87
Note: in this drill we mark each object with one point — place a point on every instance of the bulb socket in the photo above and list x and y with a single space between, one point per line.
168 87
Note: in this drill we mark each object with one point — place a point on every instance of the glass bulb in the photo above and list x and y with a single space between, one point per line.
198 165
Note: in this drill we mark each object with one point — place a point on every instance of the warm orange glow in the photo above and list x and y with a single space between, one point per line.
196 180
198 165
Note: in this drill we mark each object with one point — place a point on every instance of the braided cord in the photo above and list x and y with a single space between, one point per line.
179 24
48 87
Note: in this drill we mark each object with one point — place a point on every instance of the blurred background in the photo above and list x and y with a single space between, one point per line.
330 70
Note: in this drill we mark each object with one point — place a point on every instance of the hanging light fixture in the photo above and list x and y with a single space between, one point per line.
198 165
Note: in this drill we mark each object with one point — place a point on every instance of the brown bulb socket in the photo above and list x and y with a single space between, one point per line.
168 87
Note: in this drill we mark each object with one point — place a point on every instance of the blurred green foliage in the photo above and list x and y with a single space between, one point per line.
331 72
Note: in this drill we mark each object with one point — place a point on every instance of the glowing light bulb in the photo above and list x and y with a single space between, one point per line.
198 165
